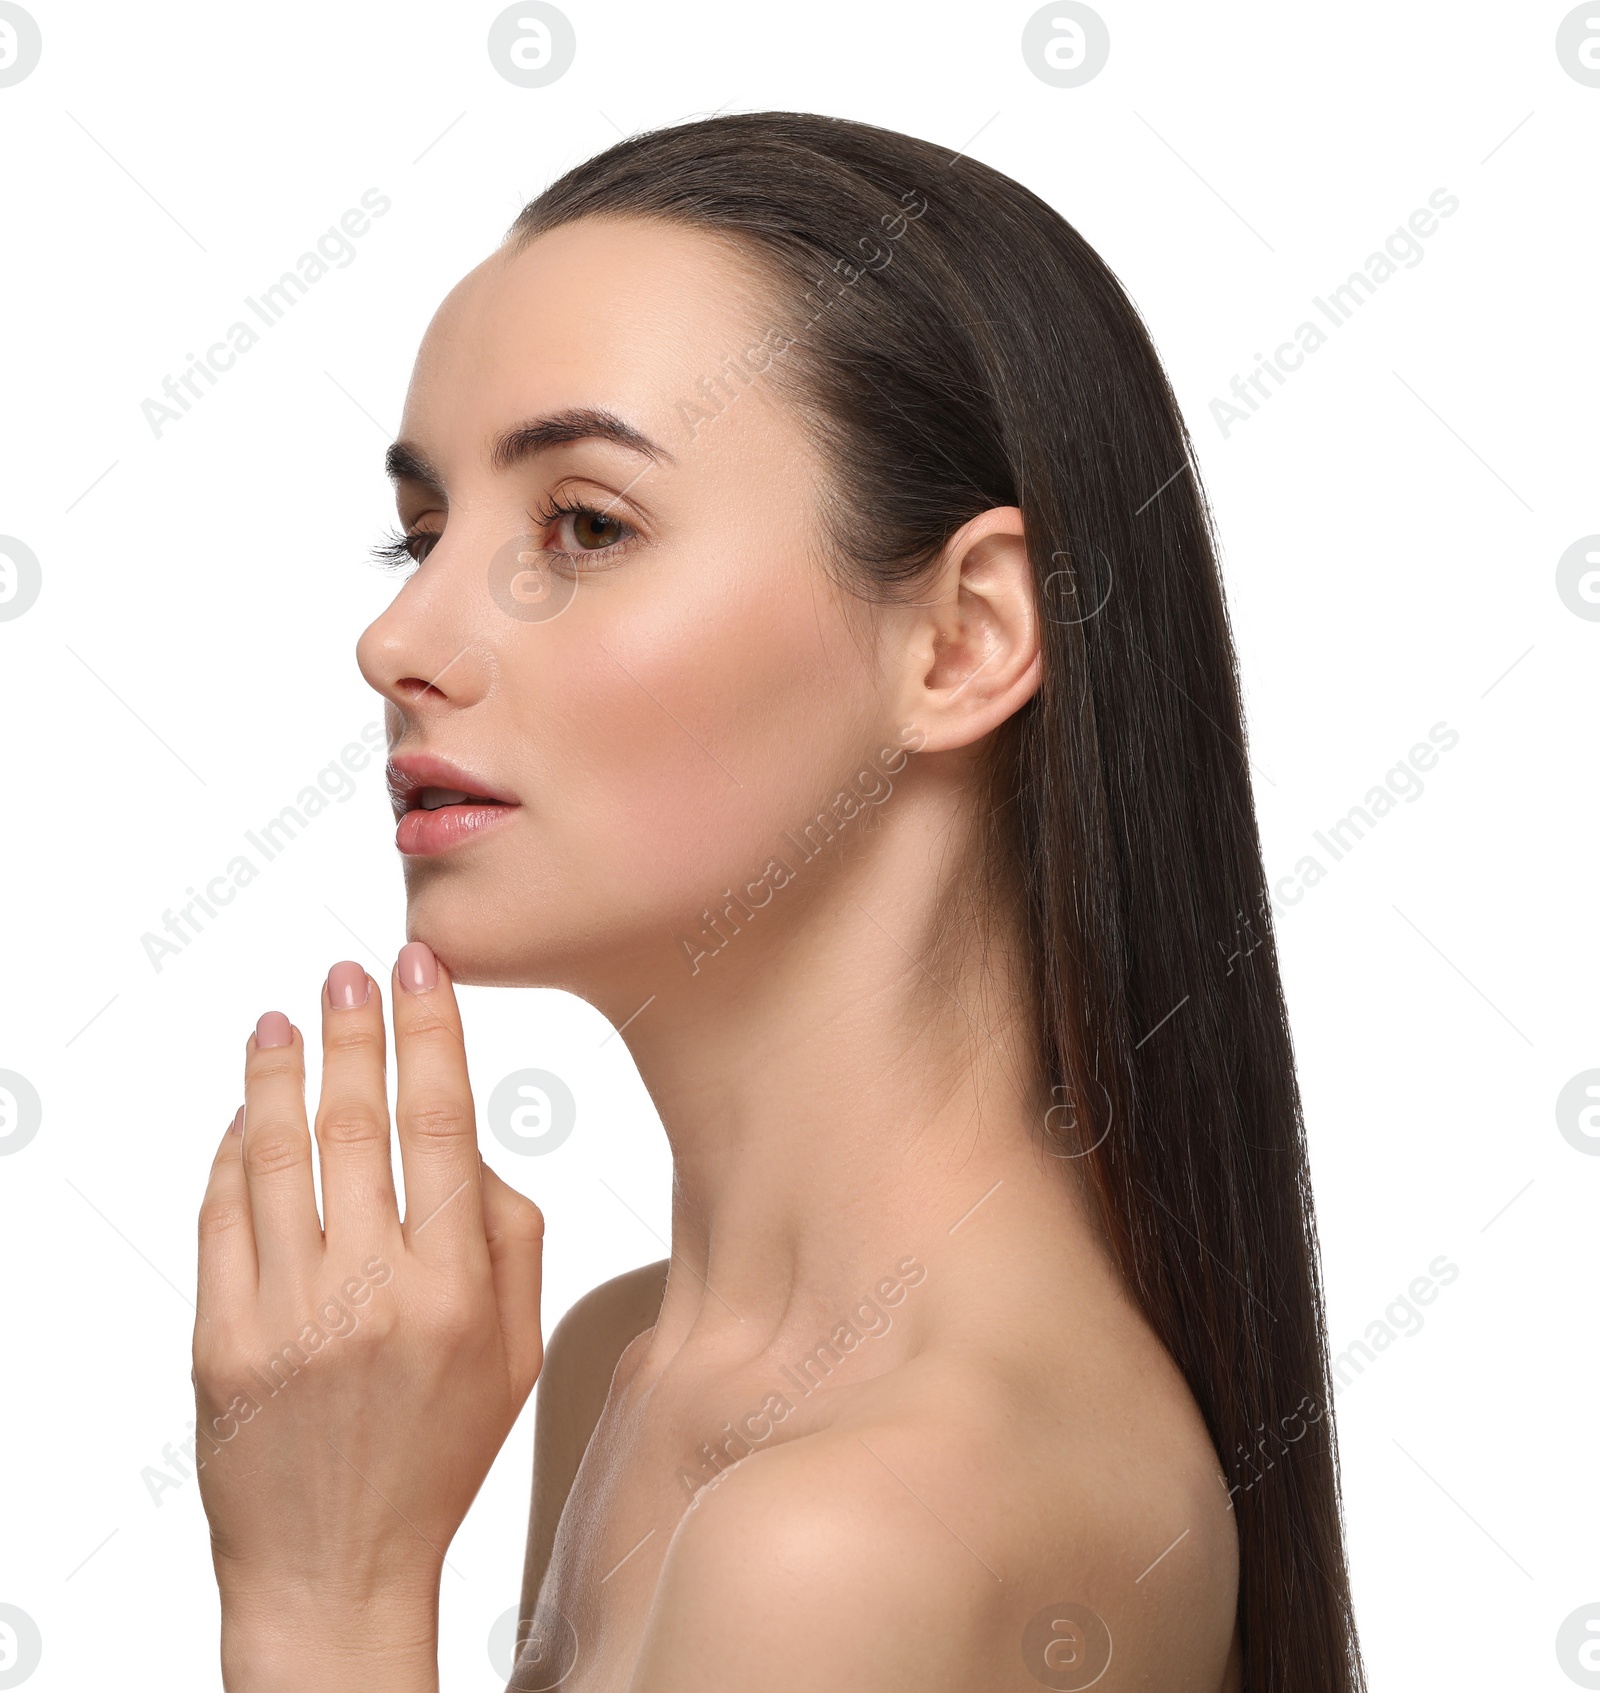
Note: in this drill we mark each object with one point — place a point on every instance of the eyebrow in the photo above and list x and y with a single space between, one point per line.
404 461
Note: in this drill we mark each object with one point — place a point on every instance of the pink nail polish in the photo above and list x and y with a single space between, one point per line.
272 1029
417 968
348 986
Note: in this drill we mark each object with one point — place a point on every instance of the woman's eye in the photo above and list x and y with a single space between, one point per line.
572 530
592 530
397 550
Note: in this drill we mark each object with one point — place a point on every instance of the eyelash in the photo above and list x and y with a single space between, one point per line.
397 550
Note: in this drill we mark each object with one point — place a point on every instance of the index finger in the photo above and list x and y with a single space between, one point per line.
434 1117
228 1269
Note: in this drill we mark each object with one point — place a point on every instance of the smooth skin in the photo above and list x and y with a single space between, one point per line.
848 1077
445 1344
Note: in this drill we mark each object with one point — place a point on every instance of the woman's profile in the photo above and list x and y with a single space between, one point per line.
813 655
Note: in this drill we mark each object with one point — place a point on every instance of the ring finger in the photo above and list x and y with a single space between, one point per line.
277 1149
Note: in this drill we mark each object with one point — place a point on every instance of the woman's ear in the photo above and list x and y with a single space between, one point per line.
971 647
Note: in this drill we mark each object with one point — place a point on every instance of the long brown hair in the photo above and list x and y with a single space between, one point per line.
958 346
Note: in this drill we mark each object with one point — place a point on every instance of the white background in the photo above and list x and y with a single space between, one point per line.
1391 520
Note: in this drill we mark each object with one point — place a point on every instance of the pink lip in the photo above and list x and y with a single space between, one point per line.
421 833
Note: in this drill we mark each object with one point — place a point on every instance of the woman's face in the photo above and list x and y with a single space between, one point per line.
664 703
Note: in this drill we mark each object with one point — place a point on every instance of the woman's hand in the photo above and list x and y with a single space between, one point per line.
354 1376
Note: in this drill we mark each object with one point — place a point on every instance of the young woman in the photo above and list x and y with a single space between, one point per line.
815 659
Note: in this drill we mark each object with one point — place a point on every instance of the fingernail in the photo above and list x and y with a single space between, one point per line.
348 986
236 1127
417 968
273 1029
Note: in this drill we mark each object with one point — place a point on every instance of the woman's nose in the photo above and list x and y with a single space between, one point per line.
421 657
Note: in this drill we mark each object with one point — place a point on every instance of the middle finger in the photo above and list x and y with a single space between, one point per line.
358 1194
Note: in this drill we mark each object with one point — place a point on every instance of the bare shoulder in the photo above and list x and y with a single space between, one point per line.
582 1351
580 1358
954 1530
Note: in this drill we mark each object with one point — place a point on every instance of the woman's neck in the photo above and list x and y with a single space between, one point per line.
851 1081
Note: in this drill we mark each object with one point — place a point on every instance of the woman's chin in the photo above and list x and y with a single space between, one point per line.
477 952
493 954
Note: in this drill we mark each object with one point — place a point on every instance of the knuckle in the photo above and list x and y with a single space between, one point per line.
378 1325
275 1063
221 1365
369 1339
430 1031
274 1151
351 1126
222 1218
524 1223
351 1034
439 1119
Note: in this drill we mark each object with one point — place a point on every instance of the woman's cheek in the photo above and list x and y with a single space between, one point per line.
686 743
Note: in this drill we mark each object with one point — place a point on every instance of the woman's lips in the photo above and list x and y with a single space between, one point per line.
422 832
439 806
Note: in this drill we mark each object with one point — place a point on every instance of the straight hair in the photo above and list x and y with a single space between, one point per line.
956 345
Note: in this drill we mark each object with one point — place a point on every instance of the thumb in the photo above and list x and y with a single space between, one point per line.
514 1231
